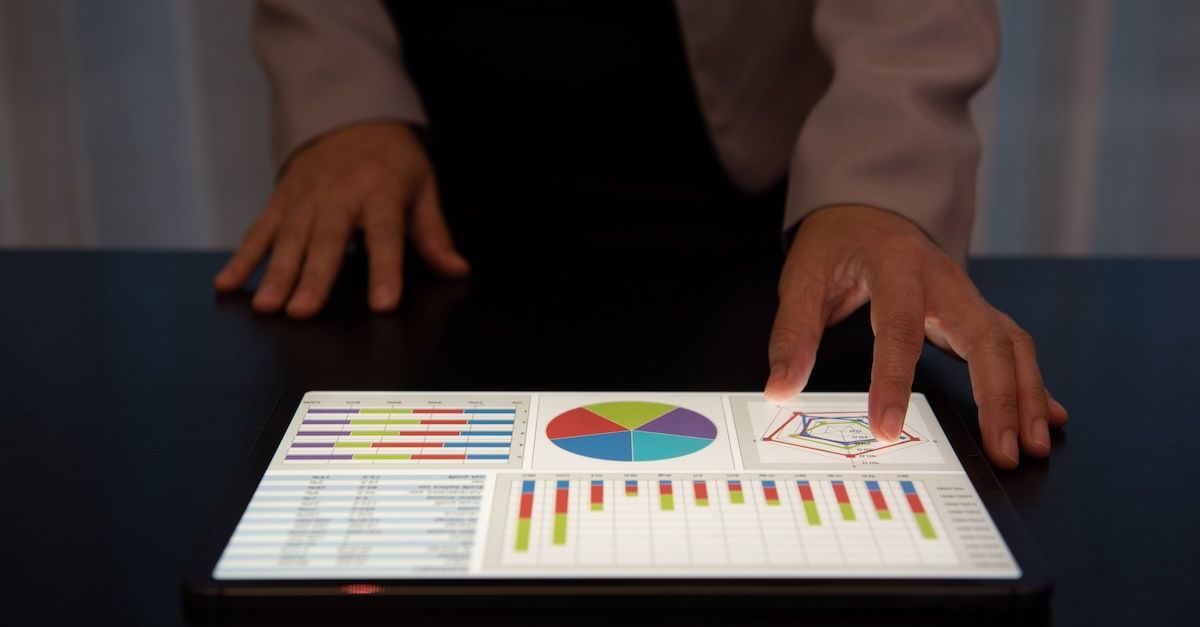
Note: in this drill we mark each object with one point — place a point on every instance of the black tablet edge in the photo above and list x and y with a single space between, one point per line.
1031 590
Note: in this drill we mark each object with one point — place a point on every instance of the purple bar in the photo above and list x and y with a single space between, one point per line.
312 444
325 422
333 411
319 457
321 433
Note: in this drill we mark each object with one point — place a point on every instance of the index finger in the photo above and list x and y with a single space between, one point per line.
898 320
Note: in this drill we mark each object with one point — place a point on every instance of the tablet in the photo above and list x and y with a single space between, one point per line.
527 498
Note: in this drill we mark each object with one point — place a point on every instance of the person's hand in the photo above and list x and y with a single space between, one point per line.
844 256
371 175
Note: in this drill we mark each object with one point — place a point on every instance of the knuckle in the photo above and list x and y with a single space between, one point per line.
894 380
991 342
786 340
1004 401
1022 339
905 248
904 329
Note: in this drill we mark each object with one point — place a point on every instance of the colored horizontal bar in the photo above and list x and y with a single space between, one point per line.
847 511
737 497
324 410
325 422
491 411
402 433
475 444
396 444
314 444
701 488
319 457
485 456
631 487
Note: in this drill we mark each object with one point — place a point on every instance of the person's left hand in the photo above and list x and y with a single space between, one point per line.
843 257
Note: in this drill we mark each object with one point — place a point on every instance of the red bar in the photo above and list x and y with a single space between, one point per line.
771 494
877 499
437 411
560 501
631 490
914 502
598 494
443 422
805 493
428 433
666 487
839 490
526 505
701 490
438 457
406 445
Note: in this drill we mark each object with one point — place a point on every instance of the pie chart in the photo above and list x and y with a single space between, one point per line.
631 431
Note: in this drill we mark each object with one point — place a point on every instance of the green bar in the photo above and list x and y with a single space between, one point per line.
560 528
352 444
667 502
701 502
373 433
361 456
396 410
737 498
885 514
810 512
847 511
522 535
385 421
925 526
597 507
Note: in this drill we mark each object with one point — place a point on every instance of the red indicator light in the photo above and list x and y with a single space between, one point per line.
361 588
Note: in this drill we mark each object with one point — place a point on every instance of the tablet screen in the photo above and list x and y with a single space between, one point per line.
625 485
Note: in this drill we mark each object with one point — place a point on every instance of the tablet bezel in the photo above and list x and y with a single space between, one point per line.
1032 589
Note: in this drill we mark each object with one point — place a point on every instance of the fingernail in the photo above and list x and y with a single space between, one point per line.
1057 405
1008 445
893 422
778 376
1040 432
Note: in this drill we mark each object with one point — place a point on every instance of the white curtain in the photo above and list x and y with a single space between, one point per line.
142 123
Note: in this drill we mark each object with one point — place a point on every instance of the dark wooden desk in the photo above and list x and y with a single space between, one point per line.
130 395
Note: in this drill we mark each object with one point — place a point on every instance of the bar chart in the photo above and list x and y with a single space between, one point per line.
357 436
727 521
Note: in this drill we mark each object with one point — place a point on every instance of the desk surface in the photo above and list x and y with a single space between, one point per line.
130 395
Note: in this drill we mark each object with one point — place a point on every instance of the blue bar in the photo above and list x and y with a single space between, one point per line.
598 482
508 433
488 422
873 486
489 411
486 456
803 482
564 484
475 444
908 486
527 486
768 483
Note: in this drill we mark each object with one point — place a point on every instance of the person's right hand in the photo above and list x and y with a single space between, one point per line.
371 175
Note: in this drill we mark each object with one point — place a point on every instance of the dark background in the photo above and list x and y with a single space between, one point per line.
130 395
